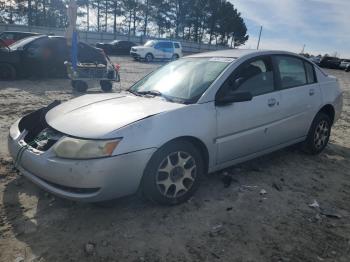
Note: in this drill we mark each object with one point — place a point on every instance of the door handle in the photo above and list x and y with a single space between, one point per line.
311 92
271 102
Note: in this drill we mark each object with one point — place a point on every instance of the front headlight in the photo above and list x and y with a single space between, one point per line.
74 148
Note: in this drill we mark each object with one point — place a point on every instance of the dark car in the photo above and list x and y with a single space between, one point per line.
116 47
10 37
330 62
43 56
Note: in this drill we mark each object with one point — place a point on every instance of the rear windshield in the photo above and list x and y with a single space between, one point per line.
23 42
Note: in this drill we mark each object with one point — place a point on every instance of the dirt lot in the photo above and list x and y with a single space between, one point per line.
223 222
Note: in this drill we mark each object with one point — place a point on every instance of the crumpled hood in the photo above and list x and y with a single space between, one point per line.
97 116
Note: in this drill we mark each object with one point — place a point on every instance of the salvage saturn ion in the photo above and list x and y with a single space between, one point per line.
198 114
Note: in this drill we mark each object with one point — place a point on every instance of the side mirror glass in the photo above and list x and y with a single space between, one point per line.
234 98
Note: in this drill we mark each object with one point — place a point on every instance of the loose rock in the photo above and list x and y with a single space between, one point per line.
263 192
89 248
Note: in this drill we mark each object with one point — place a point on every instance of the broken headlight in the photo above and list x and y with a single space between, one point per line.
74 148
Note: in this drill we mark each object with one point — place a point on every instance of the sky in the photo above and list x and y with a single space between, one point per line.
321 25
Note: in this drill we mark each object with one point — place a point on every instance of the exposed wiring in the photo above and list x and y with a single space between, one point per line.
28 145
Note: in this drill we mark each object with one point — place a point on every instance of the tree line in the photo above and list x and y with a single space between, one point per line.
210 21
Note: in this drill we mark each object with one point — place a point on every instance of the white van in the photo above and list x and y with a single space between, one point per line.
157 49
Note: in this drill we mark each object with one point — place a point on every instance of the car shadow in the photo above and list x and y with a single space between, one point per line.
52 226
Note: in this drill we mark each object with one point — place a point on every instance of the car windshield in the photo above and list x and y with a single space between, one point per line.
184 80
150 43
23 42
114 42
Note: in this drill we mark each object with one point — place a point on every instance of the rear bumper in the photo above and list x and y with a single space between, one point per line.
83 180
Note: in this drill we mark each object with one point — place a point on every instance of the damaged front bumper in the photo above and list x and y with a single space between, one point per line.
135 55
90 180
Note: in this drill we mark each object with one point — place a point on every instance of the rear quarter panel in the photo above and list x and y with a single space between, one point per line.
331 92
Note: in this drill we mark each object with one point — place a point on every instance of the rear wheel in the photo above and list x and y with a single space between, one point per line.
79 86
7 72
319 133
149 58
106 85
173 173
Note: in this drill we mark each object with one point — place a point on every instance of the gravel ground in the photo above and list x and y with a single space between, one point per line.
227 220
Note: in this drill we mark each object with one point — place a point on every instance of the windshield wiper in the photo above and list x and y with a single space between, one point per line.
150 92
133 92
157 93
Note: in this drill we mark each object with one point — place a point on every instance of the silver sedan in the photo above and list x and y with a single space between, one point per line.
199 114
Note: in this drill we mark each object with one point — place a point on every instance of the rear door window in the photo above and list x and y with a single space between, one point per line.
165 45
123 44
291 71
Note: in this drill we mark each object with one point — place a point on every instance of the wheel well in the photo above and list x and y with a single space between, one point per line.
198 144
149 53
12 67
329 110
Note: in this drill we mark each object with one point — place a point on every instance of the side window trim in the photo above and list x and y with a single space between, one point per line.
237 70
313 72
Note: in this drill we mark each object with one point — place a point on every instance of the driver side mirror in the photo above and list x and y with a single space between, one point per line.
233 98
239 81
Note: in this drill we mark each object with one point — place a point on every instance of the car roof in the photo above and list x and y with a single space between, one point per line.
237 53
20 32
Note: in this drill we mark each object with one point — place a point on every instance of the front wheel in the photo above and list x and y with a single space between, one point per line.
319 133
79 86
175 57
106 85
7 72
173 173
149 58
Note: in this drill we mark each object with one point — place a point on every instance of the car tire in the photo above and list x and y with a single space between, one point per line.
318 135
175 57
106 85
79 86
149 57
173 173
7 72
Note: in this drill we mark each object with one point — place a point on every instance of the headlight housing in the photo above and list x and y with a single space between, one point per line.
14 131
74 148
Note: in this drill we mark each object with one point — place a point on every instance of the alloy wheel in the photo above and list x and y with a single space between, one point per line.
176 174
149 58
321 134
